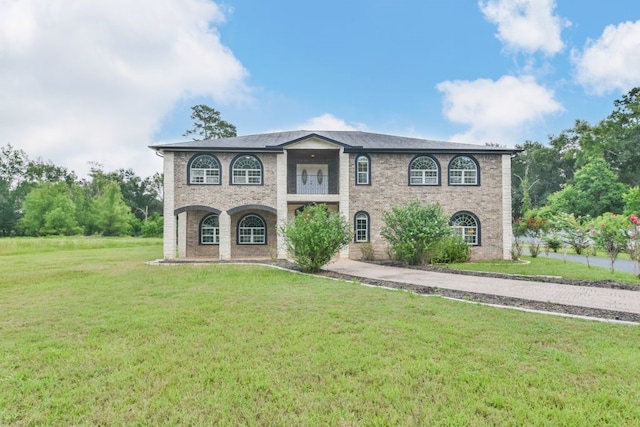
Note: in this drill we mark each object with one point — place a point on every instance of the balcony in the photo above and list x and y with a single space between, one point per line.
312 172
312 184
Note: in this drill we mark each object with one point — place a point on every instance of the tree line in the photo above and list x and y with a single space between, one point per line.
582 189
585 170
39 198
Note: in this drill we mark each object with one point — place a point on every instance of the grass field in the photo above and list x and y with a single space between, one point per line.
90 335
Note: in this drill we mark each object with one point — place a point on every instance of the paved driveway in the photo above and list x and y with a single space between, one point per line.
580 296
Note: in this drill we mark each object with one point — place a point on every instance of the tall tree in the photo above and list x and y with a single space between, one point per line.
537 172
619 138
13 163
141 195
110 214
49 209
207 124
594 190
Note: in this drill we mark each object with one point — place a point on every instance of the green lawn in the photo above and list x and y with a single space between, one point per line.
544 266
90 335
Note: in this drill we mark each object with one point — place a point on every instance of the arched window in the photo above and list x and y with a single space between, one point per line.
363 170
252 230
424 170
361 226
246 169
210 230
204 169
467 225
463 170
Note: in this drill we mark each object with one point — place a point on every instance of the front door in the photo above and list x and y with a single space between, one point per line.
312 179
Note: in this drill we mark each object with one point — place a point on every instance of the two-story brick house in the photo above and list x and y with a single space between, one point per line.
230 196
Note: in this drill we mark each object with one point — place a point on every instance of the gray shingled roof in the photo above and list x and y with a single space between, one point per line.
350 140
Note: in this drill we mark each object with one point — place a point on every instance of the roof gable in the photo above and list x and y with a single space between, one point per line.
313 141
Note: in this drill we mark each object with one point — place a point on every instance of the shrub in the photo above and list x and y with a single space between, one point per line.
153 226
552 243
450 249
577 232
366 249
533 227
610 231
413 229
314 236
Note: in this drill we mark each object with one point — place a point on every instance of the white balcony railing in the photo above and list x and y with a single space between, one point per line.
312 184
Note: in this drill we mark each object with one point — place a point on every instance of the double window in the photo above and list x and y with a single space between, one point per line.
252 230
204 169
210 230
467 225
424 170
246 169
463 170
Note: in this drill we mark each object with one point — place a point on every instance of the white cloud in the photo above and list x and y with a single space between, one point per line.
611 62
330 122
496 111
526 25
91 81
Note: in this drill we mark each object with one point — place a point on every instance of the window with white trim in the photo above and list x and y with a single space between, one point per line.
252 230
204 169
363 171
423 171
246 170
463 171
361 225
210 230
466 225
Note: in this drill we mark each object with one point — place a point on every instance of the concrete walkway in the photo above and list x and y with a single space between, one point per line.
580 296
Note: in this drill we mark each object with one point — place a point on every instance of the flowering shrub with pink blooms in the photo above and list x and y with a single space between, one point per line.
533 227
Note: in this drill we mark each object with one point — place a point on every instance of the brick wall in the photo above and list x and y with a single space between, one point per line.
194 248
389 187
254 251
225 196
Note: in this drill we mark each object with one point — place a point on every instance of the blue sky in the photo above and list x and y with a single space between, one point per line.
101 80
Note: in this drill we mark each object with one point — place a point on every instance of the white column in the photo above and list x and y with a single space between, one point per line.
224 222
506 207
344 194
281 202
169 231
182 235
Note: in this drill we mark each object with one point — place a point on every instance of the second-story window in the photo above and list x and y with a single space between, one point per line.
463 170
204 169
424 170
246 169
363 170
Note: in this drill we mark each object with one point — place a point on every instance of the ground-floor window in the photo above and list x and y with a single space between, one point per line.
361 225
210 230
467 225
252 230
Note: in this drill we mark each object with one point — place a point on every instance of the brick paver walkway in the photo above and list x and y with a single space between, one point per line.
581 296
